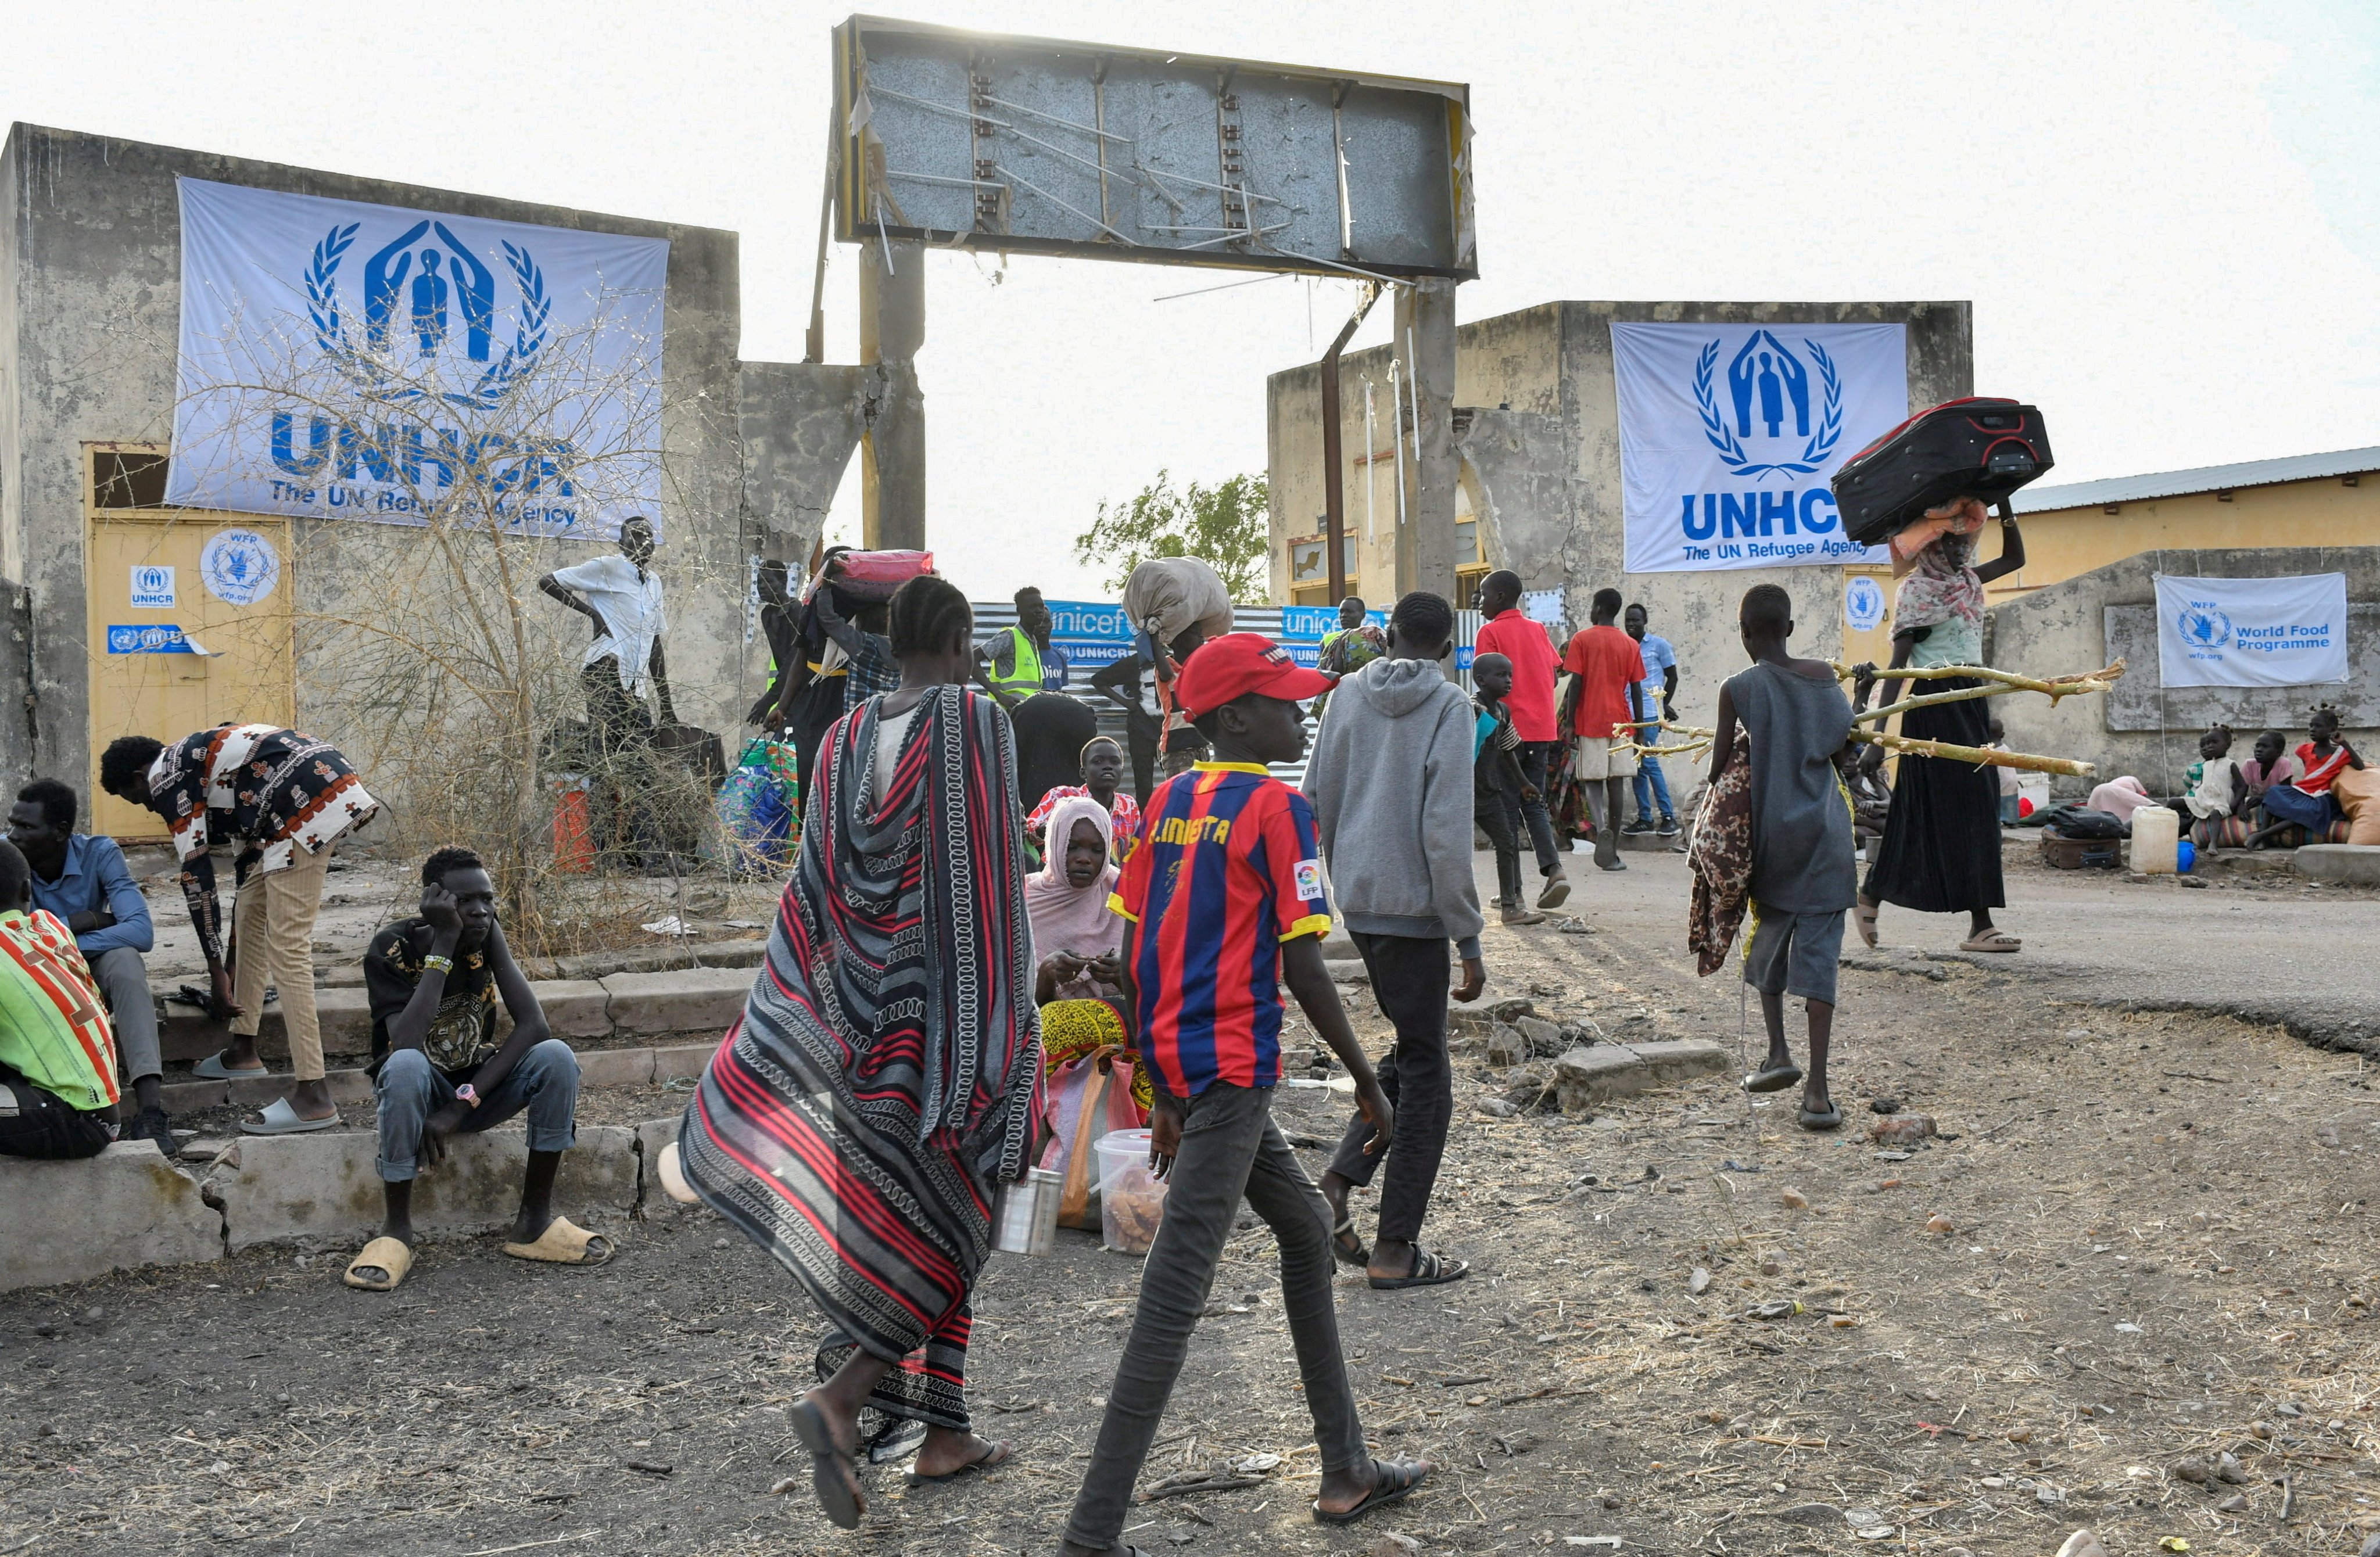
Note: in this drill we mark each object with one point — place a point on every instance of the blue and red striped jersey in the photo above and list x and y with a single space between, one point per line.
1227 870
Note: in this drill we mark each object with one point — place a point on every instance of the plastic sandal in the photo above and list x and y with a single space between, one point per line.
835 1475
1429 1270
1392 1481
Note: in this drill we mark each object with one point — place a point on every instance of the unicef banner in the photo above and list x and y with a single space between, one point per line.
1728 433
2252 632
346 360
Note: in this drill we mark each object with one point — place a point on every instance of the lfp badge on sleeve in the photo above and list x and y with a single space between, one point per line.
239 566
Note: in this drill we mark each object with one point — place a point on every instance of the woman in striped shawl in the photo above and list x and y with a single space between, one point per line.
881 1085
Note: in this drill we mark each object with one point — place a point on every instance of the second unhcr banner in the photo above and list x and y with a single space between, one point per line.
1729 432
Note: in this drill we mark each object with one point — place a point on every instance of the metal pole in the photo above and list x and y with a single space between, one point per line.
1334 495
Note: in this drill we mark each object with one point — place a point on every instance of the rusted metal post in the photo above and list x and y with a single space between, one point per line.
1334 495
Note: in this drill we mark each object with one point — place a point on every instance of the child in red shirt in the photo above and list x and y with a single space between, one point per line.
1601 709
1224 899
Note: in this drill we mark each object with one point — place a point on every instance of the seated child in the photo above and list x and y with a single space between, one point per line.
1103 778
2304 800
2216 791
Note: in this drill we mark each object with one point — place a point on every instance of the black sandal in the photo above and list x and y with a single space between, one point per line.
834 1476
1427 1270
1832 1119
1392 1481
1773 1080
1345 1247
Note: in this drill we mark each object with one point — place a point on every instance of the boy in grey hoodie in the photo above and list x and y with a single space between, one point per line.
1390 785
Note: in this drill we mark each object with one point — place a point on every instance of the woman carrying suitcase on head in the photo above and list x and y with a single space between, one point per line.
1941 852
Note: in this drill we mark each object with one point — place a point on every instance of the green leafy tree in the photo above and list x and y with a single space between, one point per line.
1226 525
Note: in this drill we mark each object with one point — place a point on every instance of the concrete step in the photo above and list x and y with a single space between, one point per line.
702 1000
1599 1073
639 1067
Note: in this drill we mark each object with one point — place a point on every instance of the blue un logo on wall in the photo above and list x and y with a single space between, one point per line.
1776 418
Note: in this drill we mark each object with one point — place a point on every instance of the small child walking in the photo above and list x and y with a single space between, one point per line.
1224 901
1499 786
1801 876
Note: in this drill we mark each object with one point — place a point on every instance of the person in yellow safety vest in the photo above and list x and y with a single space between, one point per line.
1010 666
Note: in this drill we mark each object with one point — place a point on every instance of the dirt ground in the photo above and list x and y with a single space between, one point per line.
2158 1250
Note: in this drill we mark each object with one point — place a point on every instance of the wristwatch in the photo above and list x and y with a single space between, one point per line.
468 1093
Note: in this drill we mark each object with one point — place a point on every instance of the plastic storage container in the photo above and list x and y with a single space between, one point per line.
1131 1203
2155 830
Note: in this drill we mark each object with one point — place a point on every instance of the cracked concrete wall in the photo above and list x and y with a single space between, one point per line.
1539 413
800 424
91 284
2148 731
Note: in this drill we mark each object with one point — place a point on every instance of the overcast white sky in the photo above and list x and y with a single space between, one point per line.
2166 214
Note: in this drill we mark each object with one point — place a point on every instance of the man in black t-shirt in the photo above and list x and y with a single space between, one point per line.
434 983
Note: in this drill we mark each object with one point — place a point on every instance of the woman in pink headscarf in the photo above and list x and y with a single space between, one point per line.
1078 939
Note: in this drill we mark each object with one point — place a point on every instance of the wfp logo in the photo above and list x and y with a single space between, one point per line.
2203 624
430 317
1769 404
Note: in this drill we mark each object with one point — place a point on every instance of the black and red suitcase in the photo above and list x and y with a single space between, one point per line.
1976 447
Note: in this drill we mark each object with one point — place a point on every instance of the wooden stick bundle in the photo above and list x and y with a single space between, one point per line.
1982 756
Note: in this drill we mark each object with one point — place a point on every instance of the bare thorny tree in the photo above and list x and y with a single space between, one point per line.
424 647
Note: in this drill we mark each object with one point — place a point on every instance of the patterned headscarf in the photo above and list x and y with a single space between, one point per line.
1944 586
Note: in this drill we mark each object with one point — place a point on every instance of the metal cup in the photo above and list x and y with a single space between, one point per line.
1025 1217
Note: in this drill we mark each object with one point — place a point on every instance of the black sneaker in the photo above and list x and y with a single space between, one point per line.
1668 827
151 1123
1637 828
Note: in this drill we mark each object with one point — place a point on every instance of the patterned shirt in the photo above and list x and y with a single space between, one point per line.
1123 813
462 1032
52 1031
281 789
1228 868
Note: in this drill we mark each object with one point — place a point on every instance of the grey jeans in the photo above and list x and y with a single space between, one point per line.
1229 1147
546 1082
123 978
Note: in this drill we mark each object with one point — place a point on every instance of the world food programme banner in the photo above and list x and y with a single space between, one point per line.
346 360
2252 632
1728 433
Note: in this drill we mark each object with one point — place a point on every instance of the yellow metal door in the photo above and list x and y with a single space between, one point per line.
1867 614
184 634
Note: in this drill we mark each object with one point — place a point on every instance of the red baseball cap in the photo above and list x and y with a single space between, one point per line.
1237 663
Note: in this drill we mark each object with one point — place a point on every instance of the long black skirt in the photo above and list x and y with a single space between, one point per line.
1940 852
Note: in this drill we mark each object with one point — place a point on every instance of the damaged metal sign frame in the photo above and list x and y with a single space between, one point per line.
1027 145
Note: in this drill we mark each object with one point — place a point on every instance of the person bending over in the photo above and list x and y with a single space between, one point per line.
57 1058
287 798
1226 903
82 881
1803 877
433 982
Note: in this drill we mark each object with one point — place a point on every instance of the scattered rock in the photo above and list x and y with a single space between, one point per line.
2191 1469
1857 1516
1499 1108
2288 1408
2020 1435
1544 1038
2235 1504
2048 1495
2083 1543
1550 991
1810 1514
1884 1105
1395 1543
1937 1222
1698 1282
2228 1470
2371 1546
1509 1011
1576 927
1794 1200
1776 1309
1507 1045
1771 1267
2260 1430
1901 1129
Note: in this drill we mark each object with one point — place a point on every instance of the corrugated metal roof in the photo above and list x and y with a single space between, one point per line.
2206 478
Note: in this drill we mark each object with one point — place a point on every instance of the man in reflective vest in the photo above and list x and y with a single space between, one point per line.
1011 664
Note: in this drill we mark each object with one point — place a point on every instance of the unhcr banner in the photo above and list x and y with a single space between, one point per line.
346 361
1729 432
2252 632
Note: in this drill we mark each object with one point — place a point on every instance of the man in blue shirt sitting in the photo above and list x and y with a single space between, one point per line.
83 880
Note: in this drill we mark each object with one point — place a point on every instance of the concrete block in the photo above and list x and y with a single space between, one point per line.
575 1007
68 1221
327 1186
349 1088
684 1061
2355 864
652 1136
615 1068
344 1014
1601 1072
694 1000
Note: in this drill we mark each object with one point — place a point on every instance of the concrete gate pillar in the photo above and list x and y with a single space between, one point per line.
1425 344
891 328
